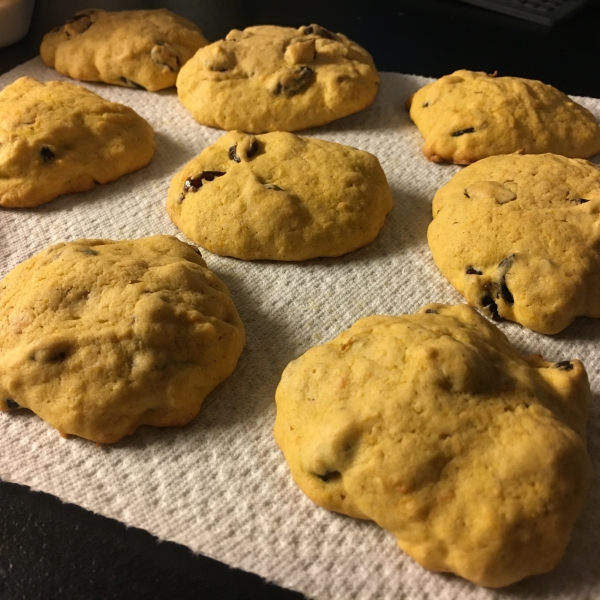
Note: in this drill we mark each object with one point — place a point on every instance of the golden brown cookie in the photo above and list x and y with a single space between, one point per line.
99 337
468 115
279 196
434 427
270 78
518 237
57 138
134 48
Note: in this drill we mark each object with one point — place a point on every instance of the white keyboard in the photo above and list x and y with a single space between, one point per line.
546 12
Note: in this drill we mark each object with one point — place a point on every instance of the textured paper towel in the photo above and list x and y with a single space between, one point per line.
220 485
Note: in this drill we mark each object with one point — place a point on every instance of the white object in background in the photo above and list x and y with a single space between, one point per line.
15 16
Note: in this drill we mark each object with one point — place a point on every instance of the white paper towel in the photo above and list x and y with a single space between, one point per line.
220 485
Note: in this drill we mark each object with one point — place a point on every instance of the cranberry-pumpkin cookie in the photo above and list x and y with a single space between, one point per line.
434 427
468 115
518 237
279 196
134 48
57 138
270 78
99 337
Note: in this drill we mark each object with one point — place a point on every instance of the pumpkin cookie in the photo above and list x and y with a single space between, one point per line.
468 115
57 138
270 78
134 48
279 196
434 427
99 337
518 237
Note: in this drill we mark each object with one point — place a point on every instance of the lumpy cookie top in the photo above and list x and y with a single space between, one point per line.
134 48
279 196
518 237
434 427
468 115
57 137
99 337
270 78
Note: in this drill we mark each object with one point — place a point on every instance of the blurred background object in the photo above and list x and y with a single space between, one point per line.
545 12
15 17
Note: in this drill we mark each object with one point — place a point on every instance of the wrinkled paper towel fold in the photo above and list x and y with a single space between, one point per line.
219 485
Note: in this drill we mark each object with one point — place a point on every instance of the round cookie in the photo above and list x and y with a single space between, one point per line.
279 196
57 138
270 78
99 337
518 237
134 48
468 115
434 427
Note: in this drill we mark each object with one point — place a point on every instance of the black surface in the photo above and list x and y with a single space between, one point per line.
54 550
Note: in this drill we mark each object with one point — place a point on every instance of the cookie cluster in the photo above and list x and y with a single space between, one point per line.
432 425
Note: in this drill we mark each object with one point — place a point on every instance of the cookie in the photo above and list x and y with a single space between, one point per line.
518 237
99 337
467 116
434 427
270 78
134 48
57 138
279 196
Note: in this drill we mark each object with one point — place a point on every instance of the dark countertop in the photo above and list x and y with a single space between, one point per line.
53 550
